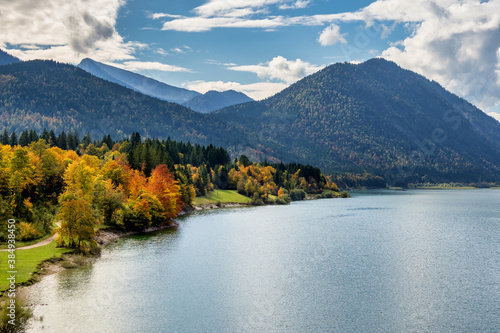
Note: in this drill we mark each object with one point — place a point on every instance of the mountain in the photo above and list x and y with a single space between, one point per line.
45 94
374 116
215 100
137 82
6 58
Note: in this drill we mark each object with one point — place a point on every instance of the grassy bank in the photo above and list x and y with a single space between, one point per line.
444 187
27 262
223 196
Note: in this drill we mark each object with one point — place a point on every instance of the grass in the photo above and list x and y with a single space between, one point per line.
223 196
444 187
27 262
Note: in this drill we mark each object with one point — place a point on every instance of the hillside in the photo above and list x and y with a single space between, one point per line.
375 116
44 94
138 82
6 58
215 100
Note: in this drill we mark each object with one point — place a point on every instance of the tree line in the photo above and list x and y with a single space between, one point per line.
130 184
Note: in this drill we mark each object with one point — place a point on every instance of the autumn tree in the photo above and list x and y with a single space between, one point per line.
163 185
77 224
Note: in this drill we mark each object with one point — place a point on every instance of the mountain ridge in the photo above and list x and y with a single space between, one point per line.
6 58
138 82
44 94
214 100
373 116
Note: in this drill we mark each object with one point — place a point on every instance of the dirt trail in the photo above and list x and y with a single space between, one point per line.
40 243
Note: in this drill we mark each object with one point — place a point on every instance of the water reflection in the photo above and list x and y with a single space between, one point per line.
410 261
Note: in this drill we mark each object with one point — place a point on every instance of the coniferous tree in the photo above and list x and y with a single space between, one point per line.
62 141
33 136
52 139
87 140
24 139
5 137
13 139
45 135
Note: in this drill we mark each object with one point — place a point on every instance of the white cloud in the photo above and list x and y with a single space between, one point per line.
495 115
280 68
66 30
162 51
234 8
156 16
456 44
150 65
218 63
331 36
257 91
299 4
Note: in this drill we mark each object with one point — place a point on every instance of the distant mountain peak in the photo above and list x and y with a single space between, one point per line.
138 82
214 100
379 117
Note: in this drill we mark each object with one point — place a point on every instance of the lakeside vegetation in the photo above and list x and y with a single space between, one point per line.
134 185
27 262
222 196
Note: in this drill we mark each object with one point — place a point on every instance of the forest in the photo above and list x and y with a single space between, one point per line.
131 184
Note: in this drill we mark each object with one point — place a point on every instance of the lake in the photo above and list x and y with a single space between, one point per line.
382 261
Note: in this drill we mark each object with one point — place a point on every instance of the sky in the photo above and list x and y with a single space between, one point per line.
260 47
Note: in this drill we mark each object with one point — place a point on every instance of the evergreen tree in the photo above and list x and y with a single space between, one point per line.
24 139
87 140
5 137
52 139
45 135
33 136
62 141
13 139
148 163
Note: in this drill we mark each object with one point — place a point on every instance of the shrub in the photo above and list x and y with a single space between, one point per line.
27 232
297 194
20 312
345 194
256 200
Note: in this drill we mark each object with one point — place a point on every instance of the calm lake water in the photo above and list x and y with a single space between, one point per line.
388 261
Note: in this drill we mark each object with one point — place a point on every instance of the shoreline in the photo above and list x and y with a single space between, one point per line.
104 237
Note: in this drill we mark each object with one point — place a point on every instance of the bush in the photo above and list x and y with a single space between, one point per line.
297 194
20 312
257 200
43 218
28 232
283 200
345 194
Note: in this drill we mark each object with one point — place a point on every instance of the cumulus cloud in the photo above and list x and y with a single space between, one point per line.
454 43
66 30
257 91
280 68
331 36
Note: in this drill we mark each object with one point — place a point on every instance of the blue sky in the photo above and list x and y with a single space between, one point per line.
261 46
